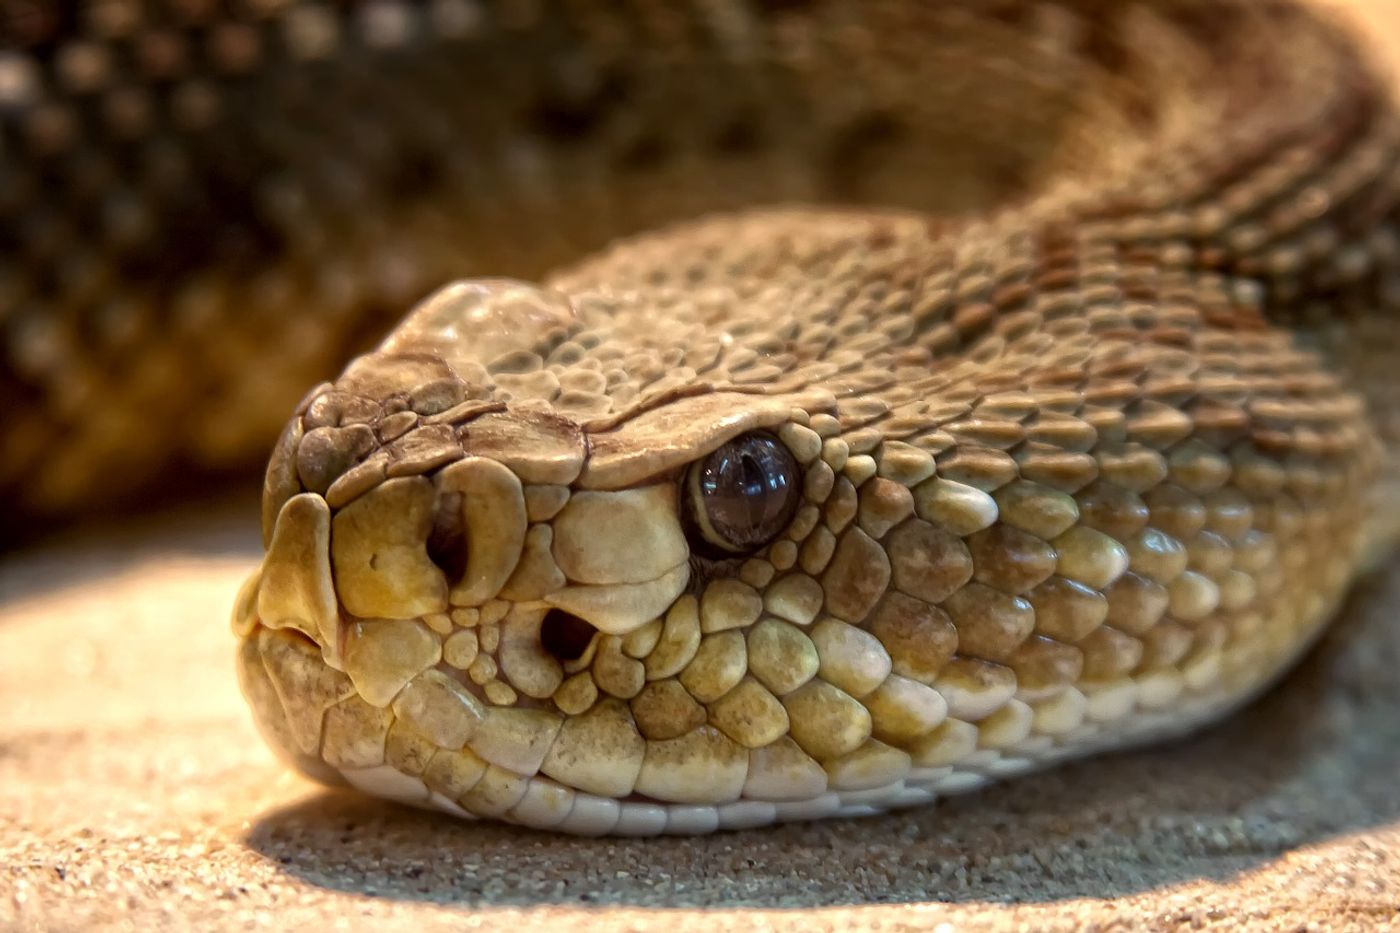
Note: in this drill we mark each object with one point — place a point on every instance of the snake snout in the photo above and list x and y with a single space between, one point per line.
447 542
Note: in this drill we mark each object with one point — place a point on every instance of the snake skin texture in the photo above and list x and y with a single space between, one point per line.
1075 324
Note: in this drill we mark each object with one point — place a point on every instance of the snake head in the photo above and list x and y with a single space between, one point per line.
594 574
537 557
498 543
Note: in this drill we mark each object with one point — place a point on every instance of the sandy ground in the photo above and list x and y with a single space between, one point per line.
135 794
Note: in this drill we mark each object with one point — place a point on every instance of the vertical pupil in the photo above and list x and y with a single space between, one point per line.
745 488
751 479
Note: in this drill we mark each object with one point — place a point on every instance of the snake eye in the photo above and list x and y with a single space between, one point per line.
741 496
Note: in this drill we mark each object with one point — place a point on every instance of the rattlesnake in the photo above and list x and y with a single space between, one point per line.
1039 401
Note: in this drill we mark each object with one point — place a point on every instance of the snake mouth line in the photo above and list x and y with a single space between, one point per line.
485 790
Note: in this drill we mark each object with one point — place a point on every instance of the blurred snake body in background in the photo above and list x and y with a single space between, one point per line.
866 401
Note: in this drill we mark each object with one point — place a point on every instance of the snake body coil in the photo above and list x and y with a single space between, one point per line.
1071 435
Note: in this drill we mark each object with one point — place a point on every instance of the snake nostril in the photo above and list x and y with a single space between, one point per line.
447 542
564 635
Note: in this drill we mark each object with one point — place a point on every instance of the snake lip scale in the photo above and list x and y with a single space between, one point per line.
830 407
